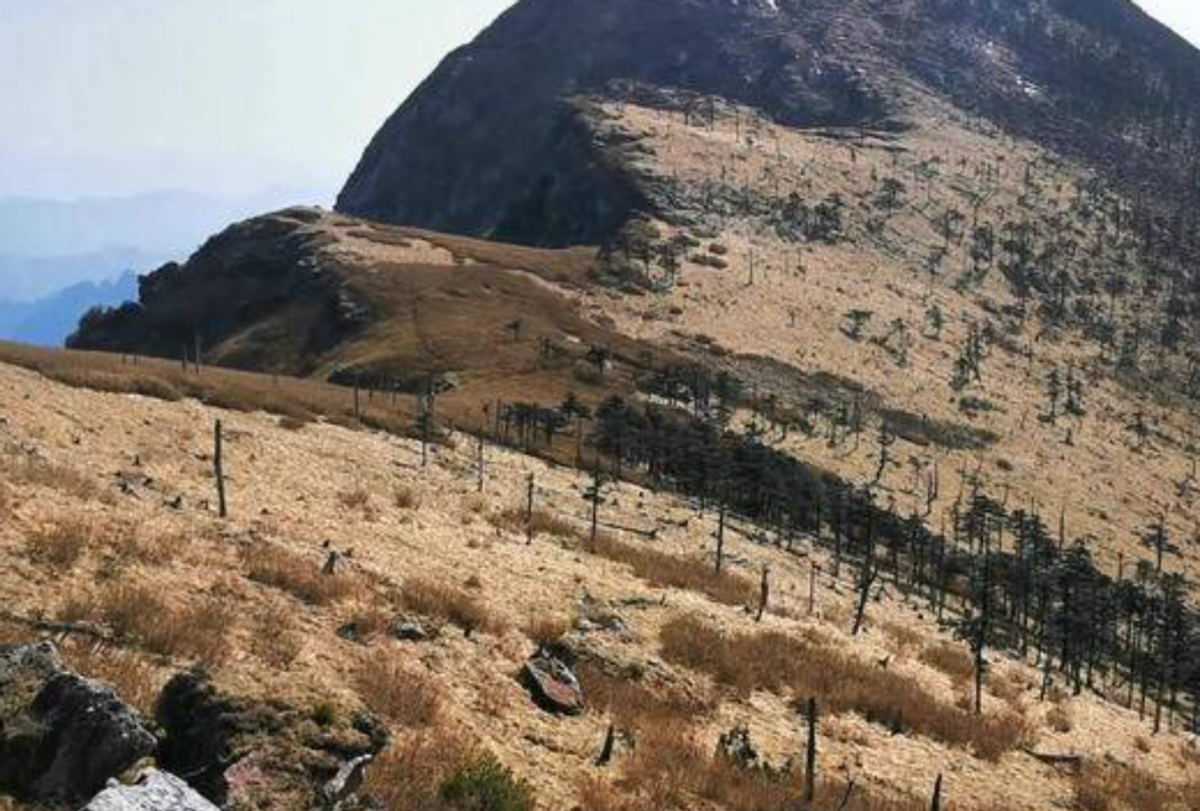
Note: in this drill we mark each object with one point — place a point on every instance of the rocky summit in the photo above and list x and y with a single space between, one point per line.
501 142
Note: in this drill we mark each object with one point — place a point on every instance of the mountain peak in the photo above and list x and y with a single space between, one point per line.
492 139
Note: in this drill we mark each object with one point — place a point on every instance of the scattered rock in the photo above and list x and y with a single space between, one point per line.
411 630
152 791
62 737
736 747
553 686
347 781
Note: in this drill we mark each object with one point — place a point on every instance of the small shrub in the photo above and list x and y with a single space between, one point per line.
1059 720
486 785
356 499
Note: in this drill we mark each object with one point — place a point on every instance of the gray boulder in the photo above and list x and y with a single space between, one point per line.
62 737
152 791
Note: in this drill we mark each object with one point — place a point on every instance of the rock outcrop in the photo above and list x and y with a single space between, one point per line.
62 737
264 754
497 142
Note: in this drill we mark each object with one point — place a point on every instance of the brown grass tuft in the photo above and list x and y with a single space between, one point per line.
953 660
409 775
406 497
451 604
276 640
285 570
632 704
808 667
669 571
672 768
544 522
51 477
138 614
402 695
61 545
135 680
1114 787
545 631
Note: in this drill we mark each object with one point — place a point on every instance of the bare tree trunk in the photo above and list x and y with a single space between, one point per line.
219 470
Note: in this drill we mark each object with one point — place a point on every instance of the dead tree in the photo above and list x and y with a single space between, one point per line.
532 487
219 470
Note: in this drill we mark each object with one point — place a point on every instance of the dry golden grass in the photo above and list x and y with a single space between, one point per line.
63 479
1058 718
61 545
671 768
902 637
138 614
953 660
454 605
406 497
516 520
370 623
670 571
398 692
129 545
1115 787
545 631
632 704
356 499
839 681
409 775
285 570
135 680
276 636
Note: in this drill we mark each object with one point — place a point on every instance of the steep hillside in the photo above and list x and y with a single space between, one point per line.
111 544
304 292
492 145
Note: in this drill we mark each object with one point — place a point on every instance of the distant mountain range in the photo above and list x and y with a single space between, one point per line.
46 245
49 320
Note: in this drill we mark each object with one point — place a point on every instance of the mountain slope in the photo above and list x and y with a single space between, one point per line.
490 144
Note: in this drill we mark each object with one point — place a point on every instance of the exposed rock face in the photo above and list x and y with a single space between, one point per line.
152 791
255 754
492 144
62 737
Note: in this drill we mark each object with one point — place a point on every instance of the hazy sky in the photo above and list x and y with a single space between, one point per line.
229 96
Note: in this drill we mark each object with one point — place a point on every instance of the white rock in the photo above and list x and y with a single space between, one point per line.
153 791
